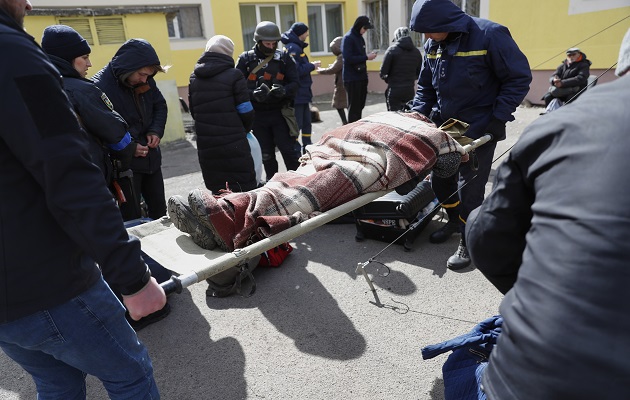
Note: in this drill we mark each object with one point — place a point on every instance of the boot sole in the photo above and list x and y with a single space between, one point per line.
186 221
199 209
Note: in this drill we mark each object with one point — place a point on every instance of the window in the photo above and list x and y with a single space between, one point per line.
324 24
185 23
378 38
470 7
282 15
109 30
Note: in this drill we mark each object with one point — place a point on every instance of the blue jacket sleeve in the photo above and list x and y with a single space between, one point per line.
511 68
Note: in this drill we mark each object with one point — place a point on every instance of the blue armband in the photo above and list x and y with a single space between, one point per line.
244 107
124 142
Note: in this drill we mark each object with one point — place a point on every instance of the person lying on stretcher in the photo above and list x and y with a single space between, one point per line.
384 151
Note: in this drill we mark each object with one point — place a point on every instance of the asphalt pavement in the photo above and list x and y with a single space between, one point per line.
312 330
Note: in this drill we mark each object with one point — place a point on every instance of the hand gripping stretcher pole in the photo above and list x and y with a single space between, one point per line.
176 250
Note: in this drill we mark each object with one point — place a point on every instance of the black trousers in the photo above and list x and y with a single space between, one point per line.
397 96
464 191
271 130
357 94
150 188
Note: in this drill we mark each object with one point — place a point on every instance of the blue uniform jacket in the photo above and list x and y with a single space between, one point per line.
295 48
476 74
144 112
56 215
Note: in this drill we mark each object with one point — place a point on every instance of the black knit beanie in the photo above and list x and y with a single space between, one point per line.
64 42
299 28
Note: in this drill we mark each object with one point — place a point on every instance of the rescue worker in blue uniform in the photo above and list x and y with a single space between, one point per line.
473 71
128 80
111 146
293 40
272 81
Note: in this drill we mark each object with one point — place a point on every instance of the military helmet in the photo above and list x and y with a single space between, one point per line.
266 30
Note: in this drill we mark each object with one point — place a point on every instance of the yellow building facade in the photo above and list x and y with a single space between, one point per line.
179 30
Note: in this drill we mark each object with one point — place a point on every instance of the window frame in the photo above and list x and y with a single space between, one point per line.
277 15
324 26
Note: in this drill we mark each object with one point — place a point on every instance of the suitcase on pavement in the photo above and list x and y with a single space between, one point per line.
391 215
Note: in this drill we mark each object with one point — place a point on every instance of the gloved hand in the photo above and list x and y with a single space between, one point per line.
261 93
277 91
496 128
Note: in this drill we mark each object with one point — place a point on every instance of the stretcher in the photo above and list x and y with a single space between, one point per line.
175 250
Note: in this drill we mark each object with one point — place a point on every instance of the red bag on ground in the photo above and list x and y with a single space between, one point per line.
274 257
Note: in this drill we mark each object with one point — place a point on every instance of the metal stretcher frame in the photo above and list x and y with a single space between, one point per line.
176 251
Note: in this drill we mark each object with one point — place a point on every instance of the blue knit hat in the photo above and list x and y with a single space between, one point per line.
299 28
64 42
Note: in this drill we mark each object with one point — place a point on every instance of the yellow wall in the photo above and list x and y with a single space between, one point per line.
544 30
152 27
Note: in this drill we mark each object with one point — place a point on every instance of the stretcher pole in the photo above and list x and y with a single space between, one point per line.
228 260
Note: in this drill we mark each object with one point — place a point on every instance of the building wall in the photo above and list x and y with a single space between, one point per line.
151 27
544 30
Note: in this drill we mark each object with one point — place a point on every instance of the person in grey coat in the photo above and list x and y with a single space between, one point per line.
400 70
546 237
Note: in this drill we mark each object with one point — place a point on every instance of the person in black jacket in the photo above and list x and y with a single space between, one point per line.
559 254
272 82
570 77
355 76
400 69
58 318
128 80
107 130
219 103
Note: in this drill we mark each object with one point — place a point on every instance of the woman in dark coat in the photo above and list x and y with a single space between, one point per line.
219 104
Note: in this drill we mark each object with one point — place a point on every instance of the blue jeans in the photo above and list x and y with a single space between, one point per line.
86 335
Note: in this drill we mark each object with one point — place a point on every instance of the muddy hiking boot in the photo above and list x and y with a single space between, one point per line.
461 258
213 217
186 221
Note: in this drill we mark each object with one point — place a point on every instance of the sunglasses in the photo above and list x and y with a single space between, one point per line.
572 54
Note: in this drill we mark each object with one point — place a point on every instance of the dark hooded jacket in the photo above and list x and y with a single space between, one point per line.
339 99
401 64
144 112
57 218
219 103
295 48
560 255
354 53
477 73
573 74
107 129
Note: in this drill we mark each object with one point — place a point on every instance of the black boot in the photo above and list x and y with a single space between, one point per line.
460 259
445 232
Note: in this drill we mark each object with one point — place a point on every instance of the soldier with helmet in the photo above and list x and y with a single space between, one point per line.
272 81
